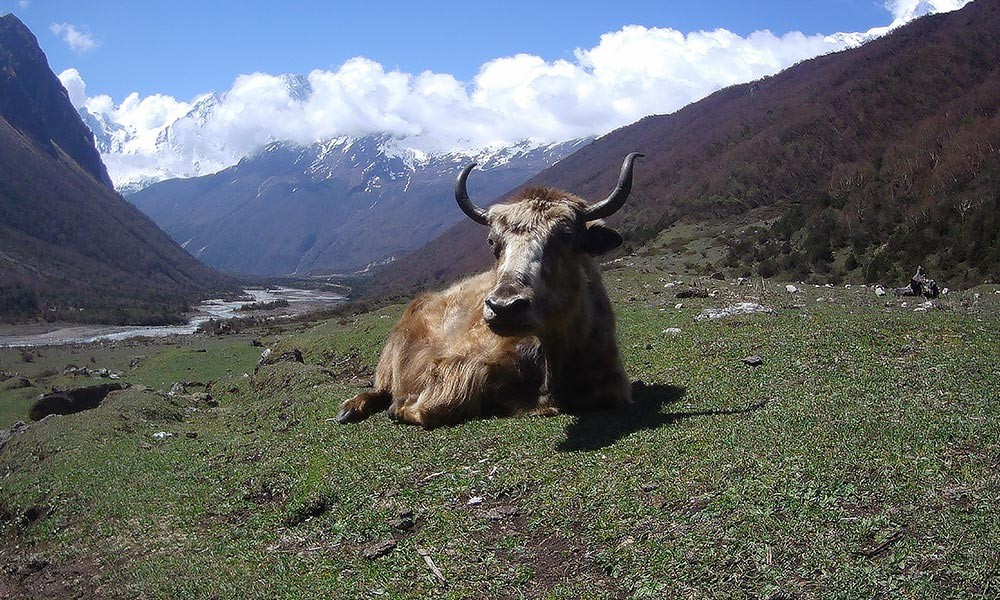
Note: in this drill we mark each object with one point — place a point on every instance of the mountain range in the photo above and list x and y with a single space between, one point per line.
853 166
335 205
71 248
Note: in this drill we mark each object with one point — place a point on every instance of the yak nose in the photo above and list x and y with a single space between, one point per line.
508 307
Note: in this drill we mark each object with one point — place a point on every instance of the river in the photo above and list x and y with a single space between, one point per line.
300 301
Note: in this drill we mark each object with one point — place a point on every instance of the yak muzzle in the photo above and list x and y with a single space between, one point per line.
509 314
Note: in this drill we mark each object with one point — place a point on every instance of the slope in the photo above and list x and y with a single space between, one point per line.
852 166
70 247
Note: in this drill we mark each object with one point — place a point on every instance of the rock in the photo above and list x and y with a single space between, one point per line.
162 435
945 291
650 487
475 500
191 435
502 512
177 389
718 276
136 361
71 401
379 549
671 330
17 382
204 398
791 289
920 285
753 361
679 306
879 290
256 343
692 293
742 308
267 357
16 428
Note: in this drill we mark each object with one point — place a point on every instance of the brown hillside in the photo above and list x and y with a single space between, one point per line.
862 163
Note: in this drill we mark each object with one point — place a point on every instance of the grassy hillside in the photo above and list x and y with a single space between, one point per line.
858 460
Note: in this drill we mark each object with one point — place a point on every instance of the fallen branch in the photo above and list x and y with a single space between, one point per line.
430 565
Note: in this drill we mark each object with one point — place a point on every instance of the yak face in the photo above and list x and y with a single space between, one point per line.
542 244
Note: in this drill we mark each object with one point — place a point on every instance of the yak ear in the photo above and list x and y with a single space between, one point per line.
599 239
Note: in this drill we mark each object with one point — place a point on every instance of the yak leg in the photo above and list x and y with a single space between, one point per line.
454 393
363 406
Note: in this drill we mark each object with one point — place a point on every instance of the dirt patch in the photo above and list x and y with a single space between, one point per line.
554 557
37 576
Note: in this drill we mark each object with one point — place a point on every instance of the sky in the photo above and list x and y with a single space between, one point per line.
439 74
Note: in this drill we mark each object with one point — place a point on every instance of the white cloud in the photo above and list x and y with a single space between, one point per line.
79 41
630 73
75 85
23 4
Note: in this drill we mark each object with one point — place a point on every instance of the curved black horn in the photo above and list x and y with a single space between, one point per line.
611 204
462 195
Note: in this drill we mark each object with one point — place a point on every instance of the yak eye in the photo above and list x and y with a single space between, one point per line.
490 242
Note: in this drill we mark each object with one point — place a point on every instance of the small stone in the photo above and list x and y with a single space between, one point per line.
379 549
191 435
501 512
671 330
162 435
791 289
753 361
679 306
475 500
879 291
650 487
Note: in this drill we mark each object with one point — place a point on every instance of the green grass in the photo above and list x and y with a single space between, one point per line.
859 460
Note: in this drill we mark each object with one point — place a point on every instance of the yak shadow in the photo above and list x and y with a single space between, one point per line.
600 429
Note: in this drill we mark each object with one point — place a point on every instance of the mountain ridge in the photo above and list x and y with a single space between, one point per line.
335 205
71 248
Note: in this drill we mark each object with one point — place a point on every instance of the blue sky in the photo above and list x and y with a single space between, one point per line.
183 48
179 89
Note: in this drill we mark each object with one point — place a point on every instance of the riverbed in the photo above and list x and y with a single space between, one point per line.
300 301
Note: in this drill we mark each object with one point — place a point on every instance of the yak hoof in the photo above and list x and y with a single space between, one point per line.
349 414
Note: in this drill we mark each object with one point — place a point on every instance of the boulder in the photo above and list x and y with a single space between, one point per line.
71 401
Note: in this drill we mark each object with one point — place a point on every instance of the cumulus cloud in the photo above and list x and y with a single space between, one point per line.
630 73
79 40
23 4
75 86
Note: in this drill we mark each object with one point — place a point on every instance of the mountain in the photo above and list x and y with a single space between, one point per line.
70 247
854 166
186 146
334 205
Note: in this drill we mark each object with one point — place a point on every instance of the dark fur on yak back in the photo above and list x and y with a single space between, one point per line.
535 335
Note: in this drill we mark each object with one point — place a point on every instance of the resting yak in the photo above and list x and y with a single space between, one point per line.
535 335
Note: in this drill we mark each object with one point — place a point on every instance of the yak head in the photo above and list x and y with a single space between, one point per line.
544 241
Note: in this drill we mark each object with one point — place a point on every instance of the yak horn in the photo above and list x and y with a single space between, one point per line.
611 204
462 195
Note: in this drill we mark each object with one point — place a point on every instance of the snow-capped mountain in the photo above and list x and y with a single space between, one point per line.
186 145
334 205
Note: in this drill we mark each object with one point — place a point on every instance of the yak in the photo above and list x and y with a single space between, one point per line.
535 335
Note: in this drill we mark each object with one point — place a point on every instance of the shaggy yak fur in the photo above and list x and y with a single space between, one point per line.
535 335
